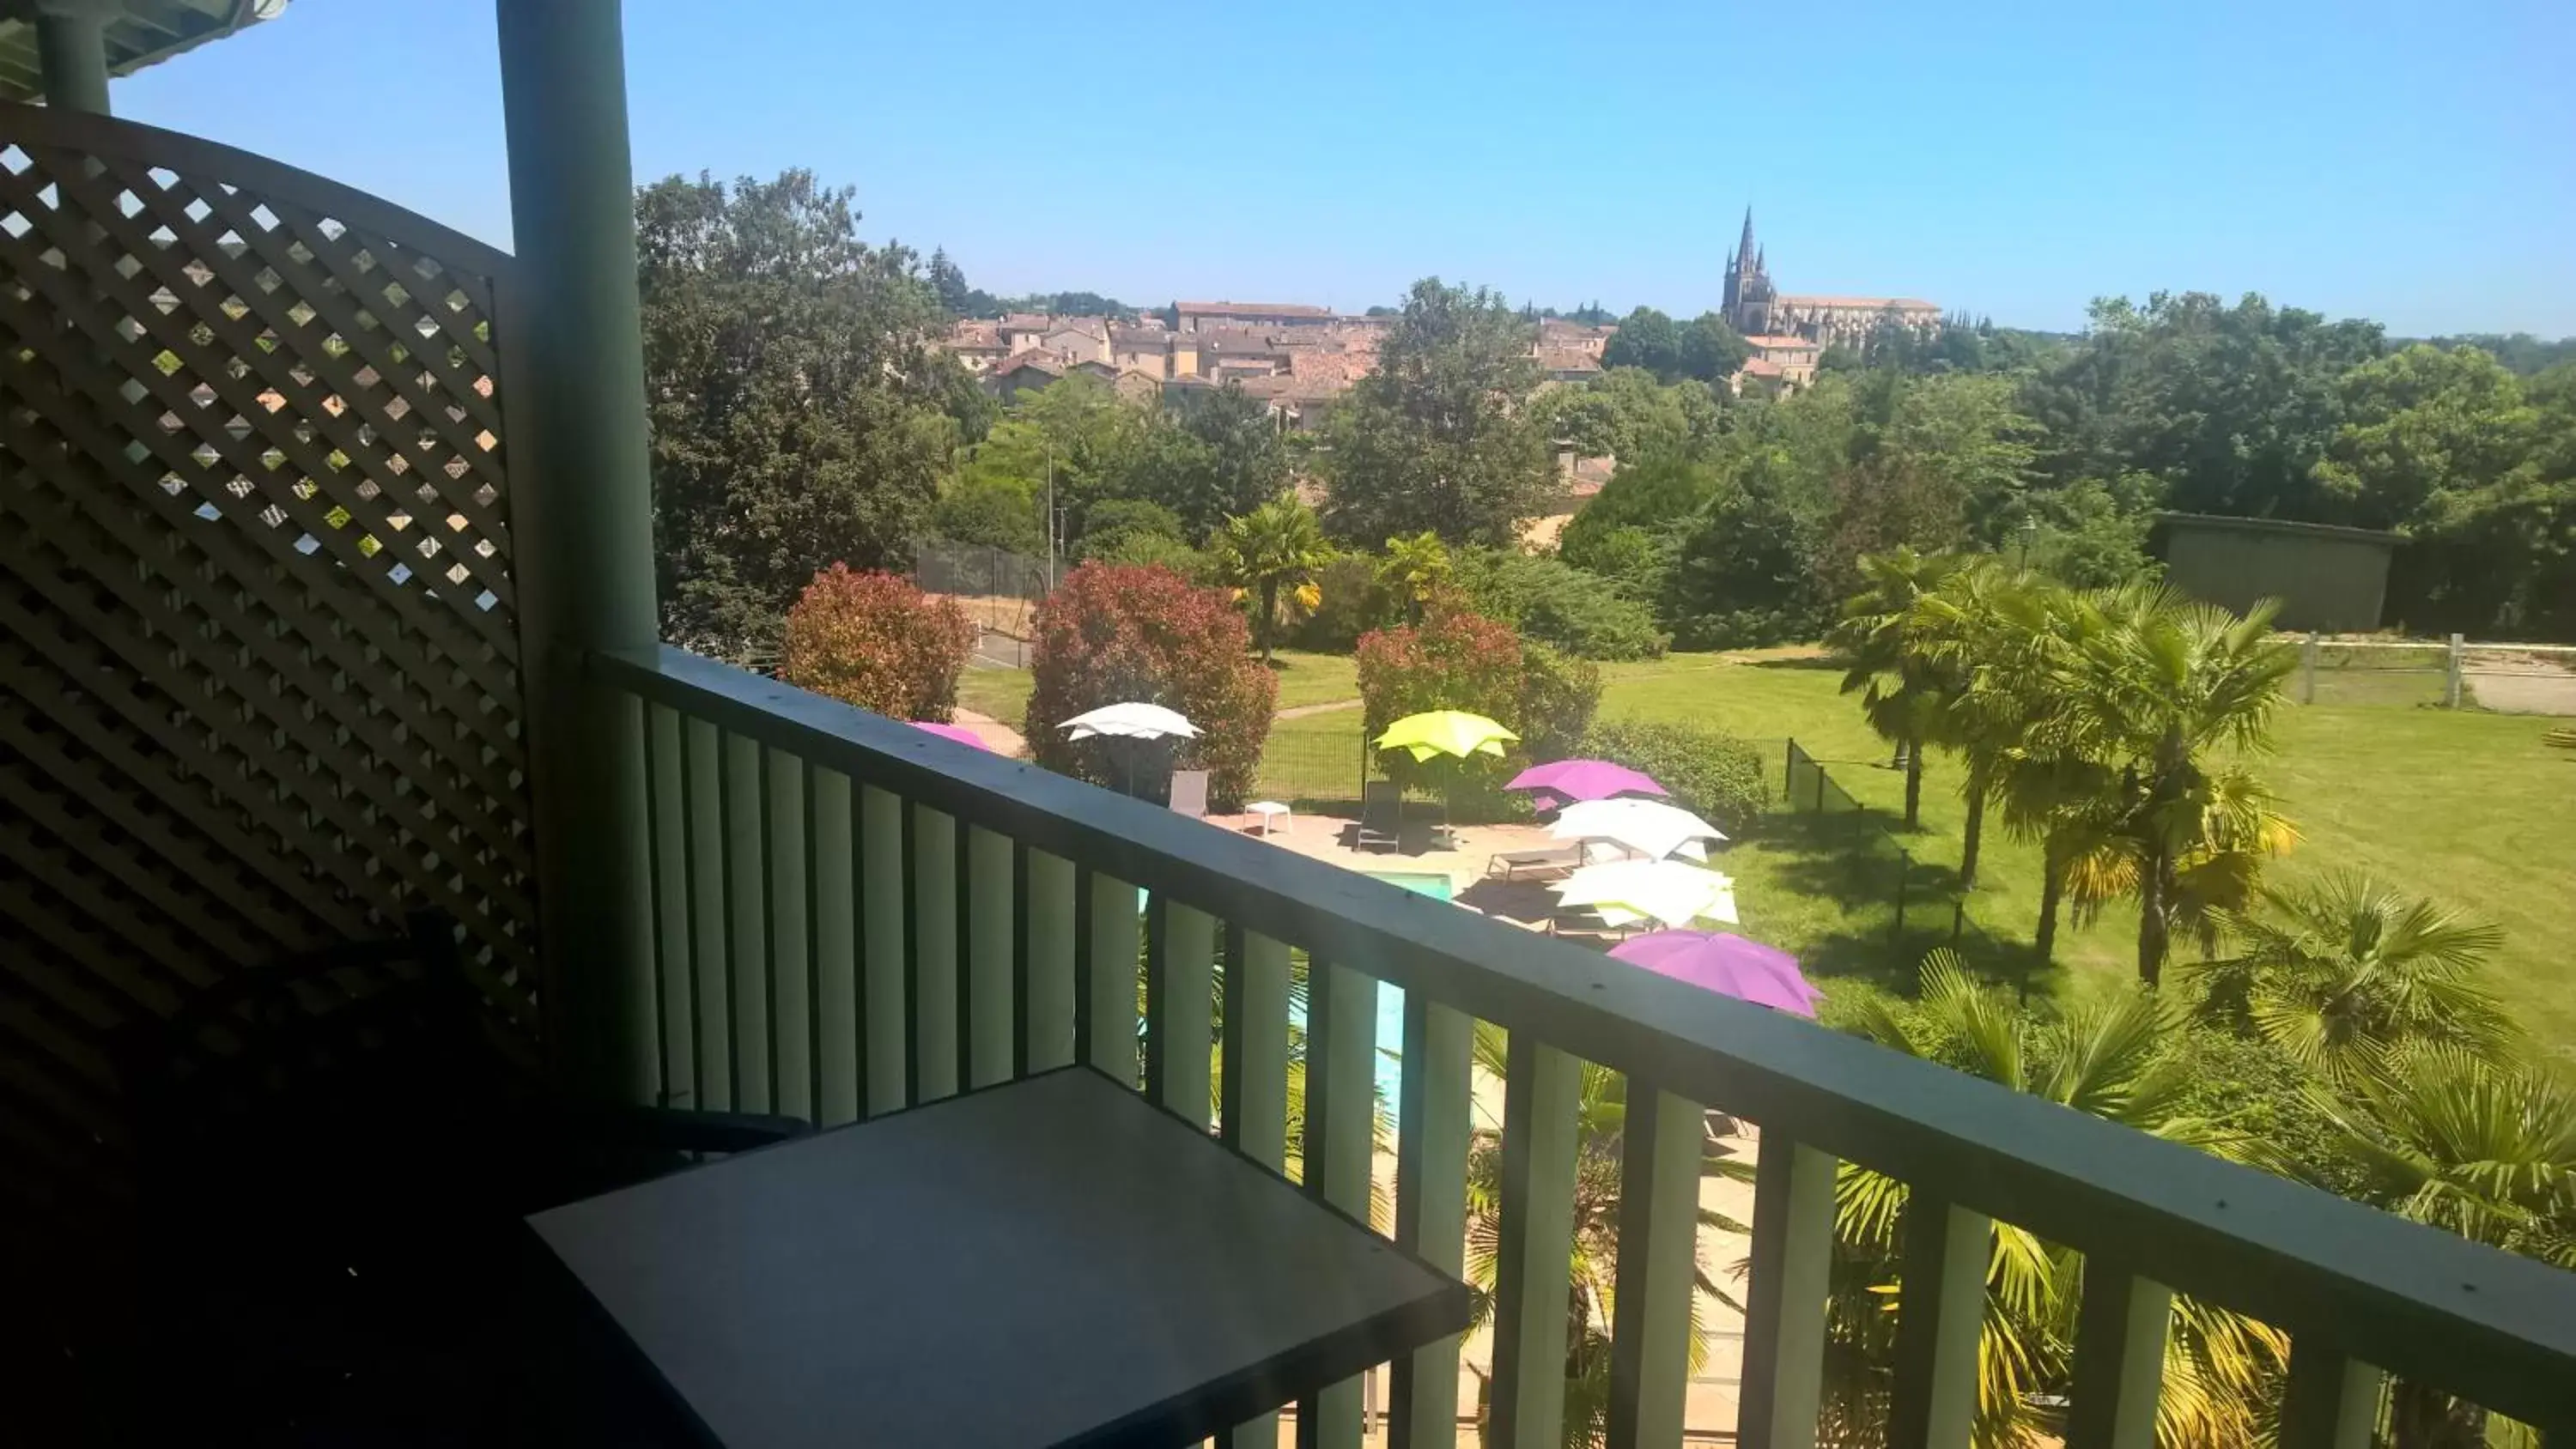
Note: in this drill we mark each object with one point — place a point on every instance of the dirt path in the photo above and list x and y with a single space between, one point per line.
1000 738
1300 711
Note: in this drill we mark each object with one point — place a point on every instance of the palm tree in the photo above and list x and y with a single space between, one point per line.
2157 686
1901 685
1278 546
2337 972
1986 633
1600 1118
2104 1059
1416 572
2485 1150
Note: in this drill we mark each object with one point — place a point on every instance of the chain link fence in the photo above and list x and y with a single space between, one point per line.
1000 590
1921 899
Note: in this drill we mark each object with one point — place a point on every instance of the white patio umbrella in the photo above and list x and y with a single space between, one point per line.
1132 720
1674 892
1649 827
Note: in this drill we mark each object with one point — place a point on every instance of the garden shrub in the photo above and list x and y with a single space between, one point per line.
1459 660
877 641
1115 632
1558 695
1721 778
1558 604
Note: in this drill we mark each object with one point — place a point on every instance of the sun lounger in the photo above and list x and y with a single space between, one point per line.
1189 793
1381 815
1534 864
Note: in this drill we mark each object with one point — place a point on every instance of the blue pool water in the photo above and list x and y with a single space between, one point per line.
1390 998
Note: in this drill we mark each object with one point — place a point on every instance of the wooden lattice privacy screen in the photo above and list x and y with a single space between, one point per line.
259 683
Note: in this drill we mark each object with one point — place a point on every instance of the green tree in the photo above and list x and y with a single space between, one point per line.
1710 350
1273 554
2483 1149
1903 685
796 401
2104 1058
2232 407
1439 436
2336 973
1986 633
2159 688
1417 571
2419 424
1646 338
1216 456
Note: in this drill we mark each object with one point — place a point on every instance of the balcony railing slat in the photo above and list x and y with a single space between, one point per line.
992 947
1341 1122
1945 1253
669 863
791 951
1108 986
746 917
833 866
2332 1399
1046 960
932 984
1180 994
882 916
1658 1260
1431 1134
1541 1087
1252 1091
2119 1358
1785 1296
710 955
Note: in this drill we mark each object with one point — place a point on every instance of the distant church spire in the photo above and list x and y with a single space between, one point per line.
1744 252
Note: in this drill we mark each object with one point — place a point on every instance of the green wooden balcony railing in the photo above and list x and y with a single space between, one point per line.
851 915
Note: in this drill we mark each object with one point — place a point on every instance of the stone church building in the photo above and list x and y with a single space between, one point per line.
1758 310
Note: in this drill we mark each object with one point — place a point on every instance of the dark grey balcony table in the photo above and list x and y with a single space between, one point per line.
1054 1261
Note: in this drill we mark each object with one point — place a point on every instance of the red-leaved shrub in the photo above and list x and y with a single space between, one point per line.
878 642
1112 633
1458 660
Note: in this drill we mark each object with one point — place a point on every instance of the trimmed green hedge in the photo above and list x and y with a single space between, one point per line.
1710 772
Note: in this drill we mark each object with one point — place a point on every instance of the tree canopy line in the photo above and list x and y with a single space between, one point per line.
804 414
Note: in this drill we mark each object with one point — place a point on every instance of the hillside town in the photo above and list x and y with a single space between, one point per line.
1297 358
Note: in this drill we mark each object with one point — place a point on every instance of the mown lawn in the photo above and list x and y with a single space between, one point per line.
2466 807
1001 694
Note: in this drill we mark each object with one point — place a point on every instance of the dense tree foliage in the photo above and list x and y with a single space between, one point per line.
1439 437
799 414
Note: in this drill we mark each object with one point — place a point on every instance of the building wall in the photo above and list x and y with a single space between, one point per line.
2334 581
1139 359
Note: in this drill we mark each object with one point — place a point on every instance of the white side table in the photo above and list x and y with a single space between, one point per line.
1269 811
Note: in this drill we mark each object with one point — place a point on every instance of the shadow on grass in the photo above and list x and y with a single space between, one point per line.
1845 857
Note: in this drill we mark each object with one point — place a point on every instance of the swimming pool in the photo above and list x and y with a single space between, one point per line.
1390 998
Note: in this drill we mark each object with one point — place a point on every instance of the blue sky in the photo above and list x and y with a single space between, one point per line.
2413 163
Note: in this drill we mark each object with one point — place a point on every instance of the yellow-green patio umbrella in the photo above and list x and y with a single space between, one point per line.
1445 732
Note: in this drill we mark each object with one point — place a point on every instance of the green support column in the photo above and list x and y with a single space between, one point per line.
71 50
581 521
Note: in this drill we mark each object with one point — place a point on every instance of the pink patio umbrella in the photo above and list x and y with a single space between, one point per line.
1563 782
1726 964
957 732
